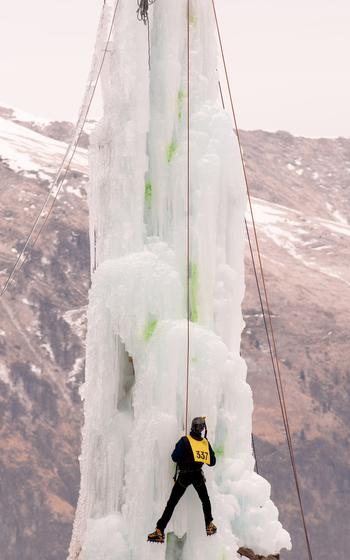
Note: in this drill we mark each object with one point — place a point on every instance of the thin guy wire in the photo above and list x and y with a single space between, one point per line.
263 311
260 299
58 181
279 381
258 288
105 50
251 209
221 95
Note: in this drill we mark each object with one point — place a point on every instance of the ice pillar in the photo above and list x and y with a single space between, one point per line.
135 388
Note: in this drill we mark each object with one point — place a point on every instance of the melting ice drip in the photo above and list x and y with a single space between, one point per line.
136 346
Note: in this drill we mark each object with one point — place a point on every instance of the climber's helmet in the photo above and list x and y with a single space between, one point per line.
198 425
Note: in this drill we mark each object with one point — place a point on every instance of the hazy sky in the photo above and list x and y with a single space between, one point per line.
288 60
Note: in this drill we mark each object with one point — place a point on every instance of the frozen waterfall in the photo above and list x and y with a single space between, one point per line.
135 388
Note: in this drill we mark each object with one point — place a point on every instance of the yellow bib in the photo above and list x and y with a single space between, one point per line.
200 450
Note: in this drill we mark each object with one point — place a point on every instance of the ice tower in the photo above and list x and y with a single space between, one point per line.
135 389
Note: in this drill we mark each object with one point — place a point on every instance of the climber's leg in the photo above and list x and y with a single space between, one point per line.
201 489
177 492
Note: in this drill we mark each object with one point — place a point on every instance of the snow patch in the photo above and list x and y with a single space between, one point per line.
322 247
48 348
76 191
337 215
5 374
77 367
36 369
76 318
30 152
337 228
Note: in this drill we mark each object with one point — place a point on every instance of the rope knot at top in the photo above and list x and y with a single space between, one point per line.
142 10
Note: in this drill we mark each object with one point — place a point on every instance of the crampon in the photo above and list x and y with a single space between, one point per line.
211 528
157 536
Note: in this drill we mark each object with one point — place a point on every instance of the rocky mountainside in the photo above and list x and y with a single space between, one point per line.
301 206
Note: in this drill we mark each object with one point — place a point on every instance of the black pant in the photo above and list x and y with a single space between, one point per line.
184 480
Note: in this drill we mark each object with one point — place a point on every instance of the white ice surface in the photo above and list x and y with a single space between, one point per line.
134 410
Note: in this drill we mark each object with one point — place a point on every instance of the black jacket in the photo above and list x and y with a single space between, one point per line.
183 455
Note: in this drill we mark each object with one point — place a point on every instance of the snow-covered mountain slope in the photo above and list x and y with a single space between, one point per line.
58 130
303 234
316 242
25 150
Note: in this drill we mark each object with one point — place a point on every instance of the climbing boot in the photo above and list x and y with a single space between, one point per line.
211 528
157 536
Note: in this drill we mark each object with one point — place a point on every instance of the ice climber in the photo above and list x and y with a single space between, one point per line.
190 453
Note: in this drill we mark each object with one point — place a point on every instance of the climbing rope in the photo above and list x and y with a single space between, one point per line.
142 10
62 172
271 336
142 15
188 247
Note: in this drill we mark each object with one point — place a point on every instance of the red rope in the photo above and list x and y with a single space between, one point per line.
188 220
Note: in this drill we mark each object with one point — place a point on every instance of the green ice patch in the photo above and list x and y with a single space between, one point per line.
149 329
219 451
193 20
194 292
180 104
148 194
174 546
171 150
